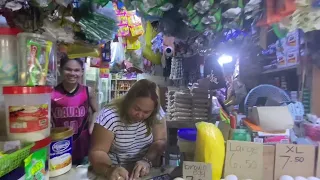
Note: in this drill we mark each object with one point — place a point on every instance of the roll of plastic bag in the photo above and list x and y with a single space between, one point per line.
210 147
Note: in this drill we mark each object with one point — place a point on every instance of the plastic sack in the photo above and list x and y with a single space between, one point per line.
210 147
150 33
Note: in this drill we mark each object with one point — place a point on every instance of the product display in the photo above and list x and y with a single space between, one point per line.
60 151
36 165
8 56
27 112
37 60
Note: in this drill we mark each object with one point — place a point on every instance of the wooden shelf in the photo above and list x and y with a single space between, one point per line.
280 69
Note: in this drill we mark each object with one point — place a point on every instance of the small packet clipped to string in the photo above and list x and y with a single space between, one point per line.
133 43
123 31
135 24
202 6
122 18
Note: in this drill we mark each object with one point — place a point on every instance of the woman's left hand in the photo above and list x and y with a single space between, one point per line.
141 169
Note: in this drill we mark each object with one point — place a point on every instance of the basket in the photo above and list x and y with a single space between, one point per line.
12 161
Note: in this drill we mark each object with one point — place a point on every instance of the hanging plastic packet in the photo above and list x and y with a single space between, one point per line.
135 24
64 3
133 43
41 3
232 13
202 6
166 7
105 51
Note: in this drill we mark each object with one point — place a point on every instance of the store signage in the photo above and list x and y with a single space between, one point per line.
196 171
244 159
294 160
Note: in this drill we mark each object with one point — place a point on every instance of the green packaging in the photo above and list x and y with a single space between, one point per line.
35 165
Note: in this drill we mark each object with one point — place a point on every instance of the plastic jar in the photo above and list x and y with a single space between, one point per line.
8 56
37 64
60 151
37 164
27 112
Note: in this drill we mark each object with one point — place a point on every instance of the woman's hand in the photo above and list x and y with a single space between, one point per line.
141 169
119 173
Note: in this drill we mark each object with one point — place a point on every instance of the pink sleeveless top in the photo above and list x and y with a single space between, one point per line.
71 110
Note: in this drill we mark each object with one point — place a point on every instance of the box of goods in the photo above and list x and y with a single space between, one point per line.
281 46
267 137
292 57
281 60
293 40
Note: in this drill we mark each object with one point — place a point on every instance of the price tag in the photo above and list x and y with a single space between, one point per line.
294 160
244 159
196 171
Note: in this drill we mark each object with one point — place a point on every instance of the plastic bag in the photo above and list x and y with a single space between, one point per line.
210 147
150 33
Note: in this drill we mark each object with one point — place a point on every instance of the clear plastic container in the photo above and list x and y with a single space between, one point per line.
37 63
27 112
8 56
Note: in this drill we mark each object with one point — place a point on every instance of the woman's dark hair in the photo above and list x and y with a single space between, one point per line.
64 59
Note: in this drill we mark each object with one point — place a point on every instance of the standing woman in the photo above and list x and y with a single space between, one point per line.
70 103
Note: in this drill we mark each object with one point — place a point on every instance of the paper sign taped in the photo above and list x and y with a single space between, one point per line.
196 171
294 160
244 159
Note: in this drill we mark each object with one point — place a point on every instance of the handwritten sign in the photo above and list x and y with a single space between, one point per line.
244 159
196 171
294 160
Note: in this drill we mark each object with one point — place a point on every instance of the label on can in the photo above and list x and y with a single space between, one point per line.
26 119
60 154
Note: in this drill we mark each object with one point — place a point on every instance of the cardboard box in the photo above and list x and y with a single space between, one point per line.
271 118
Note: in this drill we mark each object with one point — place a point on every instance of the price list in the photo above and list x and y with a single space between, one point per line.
244 159
294 160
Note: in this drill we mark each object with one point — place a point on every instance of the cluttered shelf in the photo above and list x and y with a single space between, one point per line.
280 69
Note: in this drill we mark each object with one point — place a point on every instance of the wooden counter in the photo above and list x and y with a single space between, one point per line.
82 173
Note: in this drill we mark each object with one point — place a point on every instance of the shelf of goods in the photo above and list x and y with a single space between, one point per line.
120 87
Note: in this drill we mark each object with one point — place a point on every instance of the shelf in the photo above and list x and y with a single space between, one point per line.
280 69
119 90
123 79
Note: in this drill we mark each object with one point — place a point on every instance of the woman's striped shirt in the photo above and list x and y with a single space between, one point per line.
131 141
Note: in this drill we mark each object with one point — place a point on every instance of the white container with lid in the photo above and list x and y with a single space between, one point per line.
8 56
27 112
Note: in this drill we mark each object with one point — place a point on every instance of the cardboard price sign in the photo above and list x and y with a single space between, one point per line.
196 171
294 160
244 159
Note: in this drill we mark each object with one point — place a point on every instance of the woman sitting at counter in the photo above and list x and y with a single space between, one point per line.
130 130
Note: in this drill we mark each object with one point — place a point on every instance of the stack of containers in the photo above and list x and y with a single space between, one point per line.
200 104
180 104
28 112
28 100
8 66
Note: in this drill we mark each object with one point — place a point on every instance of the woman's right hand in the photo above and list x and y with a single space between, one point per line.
119 173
